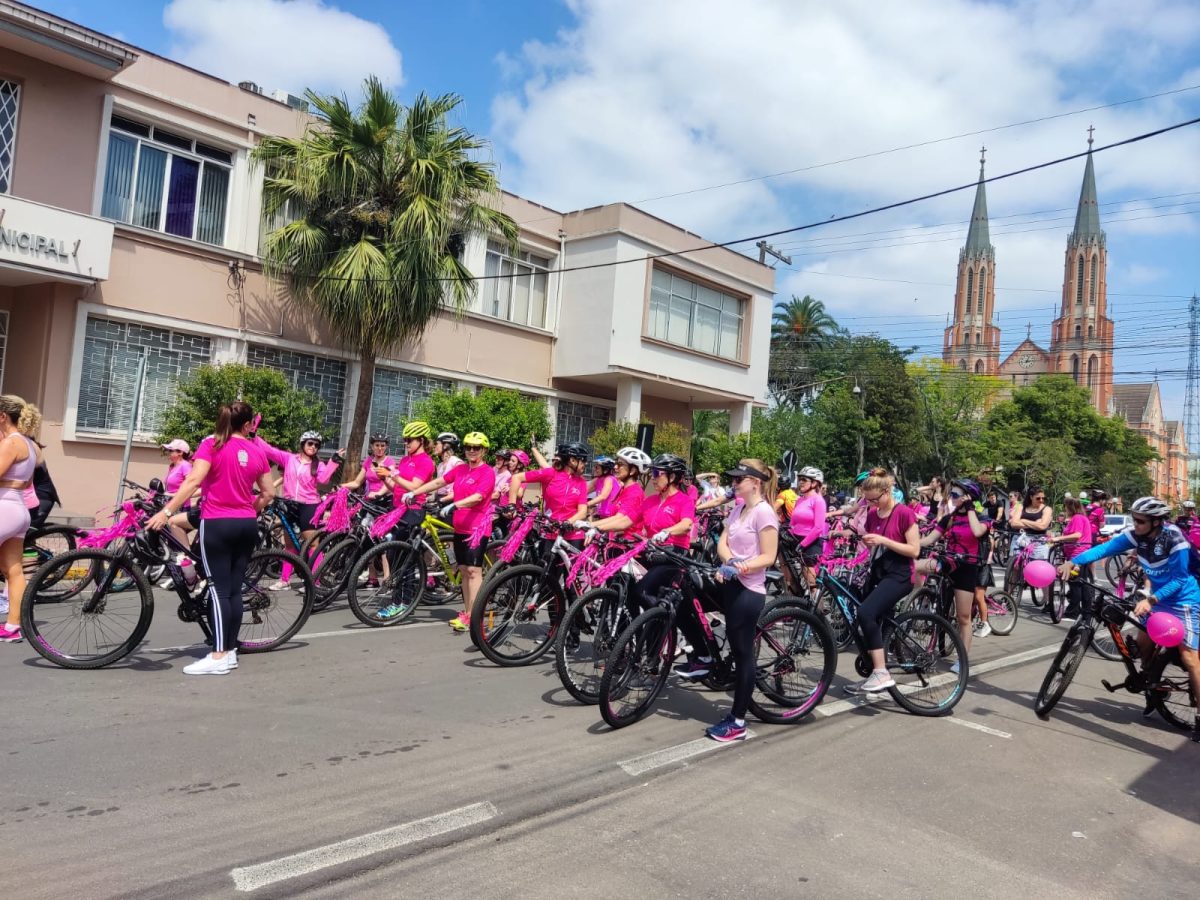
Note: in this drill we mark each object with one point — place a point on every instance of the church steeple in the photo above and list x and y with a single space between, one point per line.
971 341
1087 217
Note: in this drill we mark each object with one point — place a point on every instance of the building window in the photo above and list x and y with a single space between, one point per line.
112 353
1092 288
982 283
1091 331
962 364
10 96
1079 280
1091 372
579 421
394 395
692 315
978 338
979 367
1075 368
1078 330
970 291
514 288
319 375
163 181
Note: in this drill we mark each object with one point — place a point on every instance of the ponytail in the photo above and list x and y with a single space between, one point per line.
231 418
25 416
770 487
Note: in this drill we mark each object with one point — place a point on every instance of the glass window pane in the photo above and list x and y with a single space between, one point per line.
118 178
181 196
10 95
708 296
491 268
520 301
660 304
147 203
537 300
705 336
731 331
504 286
661 280
214 192
679 326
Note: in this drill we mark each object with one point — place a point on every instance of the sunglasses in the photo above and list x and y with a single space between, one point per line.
311 444
471 447
737 479
957 495
1138 520
654 473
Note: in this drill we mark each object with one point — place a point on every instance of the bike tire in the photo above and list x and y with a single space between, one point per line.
1003 619
1058 600
921 648
1062 669
636 671
1174 699
585 640
795 660
515 618
1105 646
402 588
47 620
272 618
842 630
334 558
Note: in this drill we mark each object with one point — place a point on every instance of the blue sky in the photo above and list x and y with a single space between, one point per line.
593 101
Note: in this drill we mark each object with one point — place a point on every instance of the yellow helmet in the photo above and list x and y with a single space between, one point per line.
417 430
476 439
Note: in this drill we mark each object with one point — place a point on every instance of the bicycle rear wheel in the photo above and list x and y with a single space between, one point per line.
637 669
271 618
379 600
1173 698
332 561
587 636
515 618
922 648
1059 595
81 622
1063 669
1003 612
795 660
831 610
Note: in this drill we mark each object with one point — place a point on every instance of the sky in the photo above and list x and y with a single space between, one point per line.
735 120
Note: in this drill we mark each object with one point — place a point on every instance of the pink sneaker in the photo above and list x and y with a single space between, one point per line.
10 635
461 622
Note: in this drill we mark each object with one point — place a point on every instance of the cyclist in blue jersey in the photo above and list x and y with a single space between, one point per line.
1163 552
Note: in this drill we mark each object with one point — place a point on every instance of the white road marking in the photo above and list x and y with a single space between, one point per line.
251 878
1016 659
639 765
305 635
967 723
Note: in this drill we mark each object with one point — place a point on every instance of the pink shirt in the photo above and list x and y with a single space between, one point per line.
298 481
808 518
229 485
503 479
562 492
371 481
1080 524
414 467
630 502
660 513
176 476
959 537
742 530
608 505
468 480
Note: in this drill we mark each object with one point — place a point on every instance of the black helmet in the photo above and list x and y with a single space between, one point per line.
969 487
380 438
572 450
149 545
448 439
785 482
670 463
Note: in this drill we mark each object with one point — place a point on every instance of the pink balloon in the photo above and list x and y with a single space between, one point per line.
1165 629
1039 573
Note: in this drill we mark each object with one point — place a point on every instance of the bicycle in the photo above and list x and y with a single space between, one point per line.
92 625
1170 694
790 643
921 647
937 595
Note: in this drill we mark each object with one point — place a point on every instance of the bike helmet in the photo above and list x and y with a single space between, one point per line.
670 463
969 487
476 439
417 430
632 456
606 463
522 458
1150 506
862 476
572 450
1188 504
380 438
448 439
503 454
813 474
311 436
785 482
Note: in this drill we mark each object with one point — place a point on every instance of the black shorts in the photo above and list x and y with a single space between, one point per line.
304 515
965 577
811 554
193 514
465 555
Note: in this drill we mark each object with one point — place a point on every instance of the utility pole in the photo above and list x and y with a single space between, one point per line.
765 249
1191 397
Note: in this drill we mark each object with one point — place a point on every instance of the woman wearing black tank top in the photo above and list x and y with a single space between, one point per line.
1032 515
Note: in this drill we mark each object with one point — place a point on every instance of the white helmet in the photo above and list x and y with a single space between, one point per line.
1188 504
636 458
812 474
1150 506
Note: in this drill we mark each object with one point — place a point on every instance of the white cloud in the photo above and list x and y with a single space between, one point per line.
282 44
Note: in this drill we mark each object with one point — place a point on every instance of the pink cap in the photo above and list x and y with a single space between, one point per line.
177 444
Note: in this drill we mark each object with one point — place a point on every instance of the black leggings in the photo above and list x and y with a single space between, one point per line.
1079 592
882 596
226 546
743 609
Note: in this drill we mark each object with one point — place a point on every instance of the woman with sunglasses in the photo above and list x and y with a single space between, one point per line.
894 540
808 521
303 475
604 486
416 466
631 497
368 476
472 484
564 489
963 533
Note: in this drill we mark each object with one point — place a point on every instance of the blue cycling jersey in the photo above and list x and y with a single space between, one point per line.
1164 557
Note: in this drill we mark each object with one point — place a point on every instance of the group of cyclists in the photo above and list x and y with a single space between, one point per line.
762 518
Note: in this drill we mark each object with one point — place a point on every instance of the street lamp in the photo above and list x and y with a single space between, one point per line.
858 392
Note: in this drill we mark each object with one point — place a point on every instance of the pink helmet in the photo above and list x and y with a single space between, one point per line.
522 458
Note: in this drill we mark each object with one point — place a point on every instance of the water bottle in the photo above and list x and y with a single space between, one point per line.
189 572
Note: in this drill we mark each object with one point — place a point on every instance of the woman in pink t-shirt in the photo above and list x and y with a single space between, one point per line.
632 463
416 467
748 547
605 486
368 477
1076 537
228 466
472 485
807 523
564 490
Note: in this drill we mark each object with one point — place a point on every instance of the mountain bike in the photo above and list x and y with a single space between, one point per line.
795 656
937 595
1162 677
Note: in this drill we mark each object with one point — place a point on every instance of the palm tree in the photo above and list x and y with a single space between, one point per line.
798 327
383 200
803 320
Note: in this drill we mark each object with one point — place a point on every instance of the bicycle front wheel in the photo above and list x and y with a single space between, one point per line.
923 649
1063 669
332 561
80 621
377 599
636 671
1174 699
829 608
272 614
587 636
795 661
515 618
1003 612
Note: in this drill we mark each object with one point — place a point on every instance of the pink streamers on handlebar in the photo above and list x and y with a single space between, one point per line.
517 537
387 521
616 564
339 513
483 527
582 558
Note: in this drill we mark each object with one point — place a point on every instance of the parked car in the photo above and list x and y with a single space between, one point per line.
1115 523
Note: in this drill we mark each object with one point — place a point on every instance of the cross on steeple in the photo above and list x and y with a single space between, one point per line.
1028 330
982 156
1091 131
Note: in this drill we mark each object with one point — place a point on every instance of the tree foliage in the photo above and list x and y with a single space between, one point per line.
286 411
798 328
506 417
669 437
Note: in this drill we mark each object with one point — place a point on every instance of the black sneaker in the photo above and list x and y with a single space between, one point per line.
693 669
1151 706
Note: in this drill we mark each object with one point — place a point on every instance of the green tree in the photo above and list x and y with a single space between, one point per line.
286 412
669 437
710 429
384 199
506 417
952 406
798 328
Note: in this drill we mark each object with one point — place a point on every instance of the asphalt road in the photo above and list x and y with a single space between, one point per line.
397 763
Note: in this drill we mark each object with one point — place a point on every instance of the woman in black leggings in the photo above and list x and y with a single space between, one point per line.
228 466
894 538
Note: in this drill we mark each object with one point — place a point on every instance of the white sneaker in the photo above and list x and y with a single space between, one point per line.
362 579
954 668
279 586
208 666
984 630
231 658
166 584
879 681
